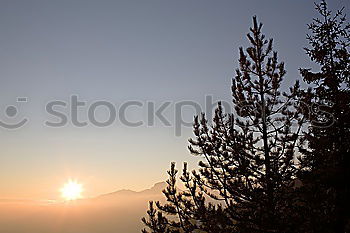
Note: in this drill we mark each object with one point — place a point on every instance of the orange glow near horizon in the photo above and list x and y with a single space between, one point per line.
72 190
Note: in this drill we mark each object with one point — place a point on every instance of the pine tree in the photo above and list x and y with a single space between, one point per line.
246 176
325 161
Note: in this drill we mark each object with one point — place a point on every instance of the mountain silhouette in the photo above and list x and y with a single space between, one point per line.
118 211
156 190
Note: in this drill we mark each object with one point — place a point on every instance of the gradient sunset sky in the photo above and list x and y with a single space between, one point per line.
149 51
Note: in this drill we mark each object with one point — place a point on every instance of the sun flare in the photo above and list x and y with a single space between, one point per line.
72 190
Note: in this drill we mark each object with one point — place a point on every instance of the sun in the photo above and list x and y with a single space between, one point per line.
72 190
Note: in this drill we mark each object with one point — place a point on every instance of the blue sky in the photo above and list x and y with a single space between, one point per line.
152 50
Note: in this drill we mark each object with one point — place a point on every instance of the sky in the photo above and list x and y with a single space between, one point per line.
151 52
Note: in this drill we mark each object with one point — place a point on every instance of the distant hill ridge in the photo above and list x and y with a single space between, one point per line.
154 191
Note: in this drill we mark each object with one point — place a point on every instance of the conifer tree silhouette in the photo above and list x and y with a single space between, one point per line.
325 161
247 170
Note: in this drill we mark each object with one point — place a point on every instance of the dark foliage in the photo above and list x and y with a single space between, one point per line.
280 163
245 181
326 159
